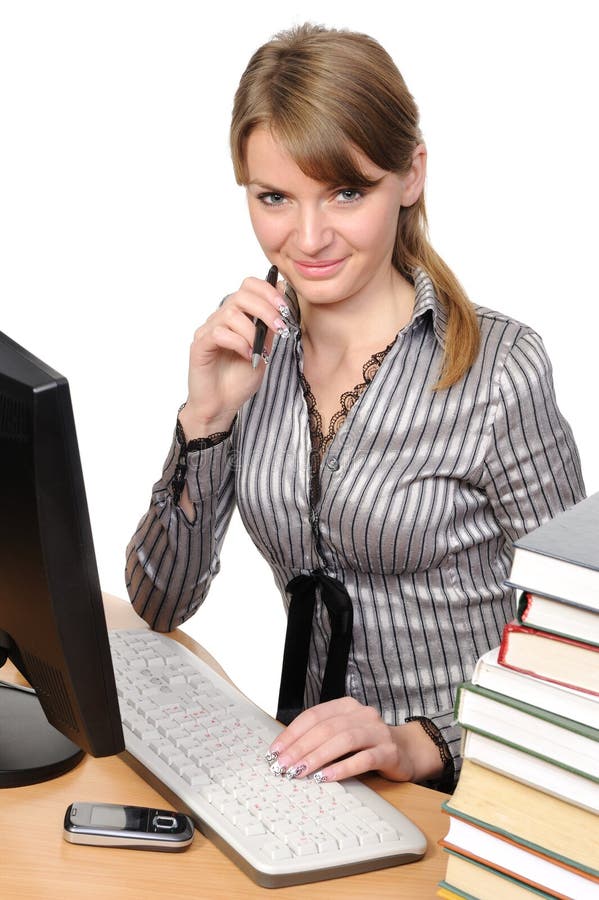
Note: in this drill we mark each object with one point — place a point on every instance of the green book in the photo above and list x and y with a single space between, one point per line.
472 879
549 737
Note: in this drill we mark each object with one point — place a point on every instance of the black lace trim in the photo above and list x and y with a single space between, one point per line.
321 442
178 482
445 781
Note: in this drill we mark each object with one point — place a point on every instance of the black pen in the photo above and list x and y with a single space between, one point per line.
260 335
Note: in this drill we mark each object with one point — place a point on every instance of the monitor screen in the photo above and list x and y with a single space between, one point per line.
52 624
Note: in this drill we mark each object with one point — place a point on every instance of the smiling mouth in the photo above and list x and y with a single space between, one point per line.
318 268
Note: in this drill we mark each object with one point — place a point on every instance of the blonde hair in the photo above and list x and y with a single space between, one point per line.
323 92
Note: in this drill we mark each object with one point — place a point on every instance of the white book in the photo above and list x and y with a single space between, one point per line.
556 698
559 617
518 861
530 770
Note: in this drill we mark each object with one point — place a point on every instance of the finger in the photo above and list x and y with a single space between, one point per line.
252 307
312 717
370 759
225 339
275 323
215 336
257 288
331 739
231 330
236 320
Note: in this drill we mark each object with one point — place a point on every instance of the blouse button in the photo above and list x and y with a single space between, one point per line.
333 463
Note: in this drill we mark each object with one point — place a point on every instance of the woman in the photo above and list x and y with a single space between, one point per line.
395 445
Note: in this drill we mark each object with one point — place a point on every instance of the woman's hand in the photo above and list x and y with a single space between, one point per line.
318 738
221 377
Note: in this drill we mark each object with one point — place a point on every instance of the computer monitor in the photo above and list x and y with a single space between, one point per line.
52 624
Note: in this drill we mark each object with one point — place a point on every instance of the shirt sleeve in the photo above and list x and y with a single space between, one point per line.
533 469
171 561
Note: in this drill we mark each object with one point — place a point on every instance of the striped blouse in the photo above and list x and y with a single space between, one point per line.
421 495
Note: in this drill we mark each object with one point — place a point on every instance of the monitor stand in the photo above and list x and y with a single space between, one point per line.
31 750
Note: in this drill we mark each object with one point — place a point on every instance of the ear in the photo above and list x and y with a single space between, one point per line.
413 180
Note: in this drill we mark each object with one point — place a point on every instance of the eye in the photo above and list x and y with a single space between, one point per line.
349 195
271 199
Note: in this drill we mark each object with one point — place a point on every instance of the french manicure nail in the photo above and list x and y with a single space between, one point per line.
295 771
319 777
284 310
278 769
271 755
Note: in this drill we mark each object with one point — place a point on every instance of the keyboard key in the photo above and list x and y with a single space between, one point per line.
145 731
276 850
253 828
325 842
386 832
231 809
194 777
301 845
366 813
365 834
348 801
345 838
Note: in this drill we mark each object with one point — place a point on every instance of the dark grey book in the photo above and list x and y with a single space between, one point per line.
560 559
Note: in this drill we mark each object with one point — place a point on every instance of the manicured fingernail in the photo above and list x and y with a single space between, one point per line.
265 357
278 769
282 329
319 777
284 310
271 755
296 771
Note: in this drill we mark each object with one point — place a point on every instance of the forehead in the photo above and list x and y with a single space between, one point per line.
269 162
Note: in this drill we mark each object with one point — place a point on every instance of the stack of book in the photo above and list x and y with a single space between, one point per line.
524 818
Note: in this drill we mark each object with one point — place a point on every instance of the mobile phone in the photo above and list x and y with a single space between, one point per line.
135 827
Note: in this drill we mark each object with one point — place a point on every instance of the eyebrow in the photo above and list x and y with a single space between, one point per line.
266 187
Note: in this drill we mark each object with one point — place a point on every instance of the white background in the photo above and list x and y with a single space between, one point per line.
121 226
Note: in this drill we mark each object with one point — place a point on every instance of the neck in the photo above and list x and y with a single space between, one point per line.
364 321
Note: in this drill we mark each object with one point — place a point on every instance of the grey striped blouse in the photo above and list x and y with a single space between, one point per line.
422 494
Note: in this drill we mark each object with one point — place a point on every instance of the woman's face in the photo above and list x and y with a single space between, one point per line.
331 242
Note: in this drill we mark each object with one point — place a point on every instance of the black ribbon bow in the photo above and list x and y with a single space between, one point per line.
297 641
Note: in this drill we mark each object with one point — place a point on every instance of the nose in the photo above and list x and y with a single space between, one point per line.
313 230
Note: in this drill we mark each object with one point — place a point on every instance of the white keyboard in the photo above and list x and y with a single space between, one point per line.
202 744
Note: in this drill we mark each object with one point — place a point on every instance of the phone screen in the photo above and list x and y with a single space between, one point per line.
119 818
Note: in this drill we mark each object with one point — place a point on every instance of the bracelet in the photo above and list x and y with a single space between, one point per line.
445 781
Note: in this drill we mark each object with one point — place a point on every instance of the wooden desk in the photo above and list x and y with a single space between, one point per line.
37 864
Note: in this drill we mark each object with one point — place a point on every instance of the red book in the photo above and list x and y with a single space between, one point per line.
574 664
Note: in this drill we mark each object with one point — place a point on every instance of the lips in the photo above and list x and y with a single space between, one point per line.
320 268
